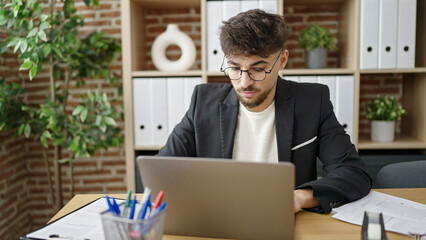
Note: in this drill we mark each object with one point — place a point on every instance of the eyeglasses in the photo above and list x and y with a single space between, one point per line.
255 74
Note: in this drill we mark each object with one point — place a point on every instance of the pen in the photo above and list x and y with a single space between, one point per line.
116 207
145 206
158 199
132 208
110 207
160 208
146 192
127 204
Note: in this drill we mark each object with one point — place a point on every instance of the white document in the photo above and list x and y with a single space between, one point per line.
388 33
175 101
270 6
406 42
330 82
214 20
159 111
249 4
142 121
399 215
84 223
345 102
308 79
369 34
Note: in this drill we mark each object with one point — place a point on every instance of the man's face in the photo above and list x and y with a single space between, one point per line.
256 96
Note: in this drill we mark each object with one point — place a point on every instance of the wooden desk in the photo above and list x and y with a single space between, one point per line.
308 225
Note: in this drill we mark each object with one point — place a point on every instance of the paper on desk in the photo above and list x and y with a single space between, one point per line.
84 223
399 215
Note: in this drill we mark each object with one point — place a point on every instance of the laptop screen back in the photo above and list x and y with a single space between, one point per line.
223 198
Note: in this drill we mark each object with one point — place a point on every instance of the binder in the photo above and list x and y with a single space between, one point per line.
308 79
270 6
292 78
249 4
345 102
230 8
369 34
406 42
159 111
388 15
175 101
142 122
330 82
190 84
214 20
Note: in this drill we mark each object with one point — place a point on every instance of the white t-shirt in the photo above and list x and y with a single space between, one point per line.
255 136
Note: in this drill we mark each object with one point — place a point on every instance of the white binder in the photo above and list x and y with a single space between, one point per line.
406 42
270 6
292 78
345 102
230 8
388 16
142 122
308 79
214 20
369 34
190 83
330 82
175 101
249 4
159 111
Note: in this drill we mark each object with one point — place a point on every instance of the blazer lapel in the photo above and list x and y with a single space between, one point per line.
228 110
284 115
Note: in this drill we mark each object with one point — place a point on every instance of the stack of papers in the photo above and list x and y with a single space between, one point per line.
399 215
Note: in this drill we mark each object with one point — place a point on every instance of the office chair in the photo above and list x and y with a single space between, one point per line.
402 175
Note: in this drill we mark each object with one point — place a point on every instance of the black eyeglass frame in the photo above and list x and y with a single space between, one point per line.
247 70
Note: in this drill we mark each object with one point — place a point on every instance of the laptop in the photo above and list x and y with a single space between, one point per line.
221 198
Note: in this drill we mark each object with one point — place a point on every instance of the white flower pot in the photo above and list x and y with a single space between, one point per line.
382 131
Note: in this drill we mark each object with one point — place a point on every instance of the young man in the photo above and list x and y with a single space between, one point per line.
261 117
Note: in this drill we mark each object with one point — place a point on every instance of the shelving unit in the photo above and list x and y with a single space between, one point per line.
345 62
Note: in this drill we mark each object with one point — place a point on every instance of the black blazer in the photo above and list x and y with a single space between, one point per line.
306 128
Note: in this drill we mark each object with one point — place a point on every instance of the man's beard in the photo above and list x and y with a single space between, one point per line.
251 103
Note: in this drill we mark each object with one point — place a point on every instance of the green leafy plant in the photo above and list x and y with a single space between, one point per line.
50 39
315 36
384 108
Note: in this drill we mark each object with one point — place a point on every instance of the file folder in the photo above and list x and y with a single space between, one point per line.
214 20
230 8
330 82
308 79
270 6
175 101
249 4
159 111
190 84
142 122
406 33
369 34
292 78
345 102
388 13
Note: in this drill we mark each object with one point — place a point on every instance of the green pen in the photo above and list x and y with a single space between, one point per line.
127 204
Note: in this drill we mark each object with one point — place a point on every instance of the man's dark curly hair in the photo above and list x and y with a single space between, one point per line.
254 32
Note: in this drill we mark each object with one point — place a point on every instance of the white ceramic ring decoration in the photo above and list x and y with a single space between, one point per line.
173 36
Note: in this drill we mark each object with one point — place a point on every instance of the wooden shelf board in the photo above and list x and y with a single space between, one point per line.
317 71
166 74
400 142
166 3
402 70
147 148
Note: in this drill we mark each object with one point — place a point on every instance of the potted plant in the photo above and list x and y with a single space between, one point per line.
44 35
383 111
316 40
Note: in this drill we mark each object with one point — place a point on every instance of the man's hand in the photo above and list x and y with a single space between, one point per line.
304 198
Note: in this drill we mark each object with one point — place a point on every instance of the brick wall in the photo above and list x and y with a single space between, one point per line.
24 194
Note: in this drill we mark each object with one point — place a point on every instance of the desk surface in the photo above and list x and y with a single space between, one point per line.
308 225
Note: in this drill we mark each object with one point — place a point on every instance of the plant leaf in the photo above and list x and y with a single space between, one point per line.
109 121
77 110
83 114
26 65
42 35
33 72
27 130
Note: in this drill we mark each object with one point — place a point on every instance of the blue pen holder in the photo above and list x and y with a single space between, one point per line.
125 229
